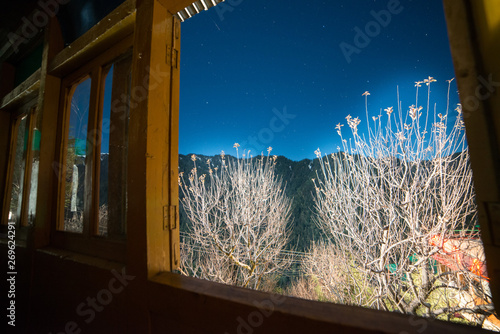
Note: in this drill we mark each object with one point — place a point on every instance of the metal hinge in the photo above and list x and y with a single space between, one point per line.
172 57
173 217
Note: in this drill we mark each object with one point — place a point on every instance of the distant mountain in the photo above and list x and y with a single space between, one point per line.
296 175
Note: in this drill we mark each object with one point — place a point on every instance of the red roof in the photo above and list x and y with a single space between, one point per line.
460 254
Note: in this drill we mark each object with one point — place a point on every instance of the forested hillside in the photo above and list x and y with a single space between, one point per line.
296 175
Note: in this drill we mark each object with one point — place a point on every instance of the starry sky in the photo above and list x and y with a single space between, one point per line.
284 73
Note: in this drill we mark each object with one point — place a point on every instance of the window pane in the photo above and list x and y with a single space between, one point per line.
75 158
35 151
113 159
16 195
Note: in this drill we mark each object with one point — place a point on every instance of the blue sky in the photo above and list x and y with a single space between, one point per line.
273 73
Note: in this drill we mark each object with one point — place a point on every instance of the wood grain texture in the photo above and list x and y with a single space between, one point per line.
47 121
149 175
111 29
472 42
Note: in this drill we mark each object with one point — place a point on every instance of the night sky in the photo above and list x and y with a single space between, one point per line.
273 73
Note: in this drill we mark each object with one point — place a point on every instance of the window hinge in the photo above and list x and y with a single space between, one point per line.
172 56
169 217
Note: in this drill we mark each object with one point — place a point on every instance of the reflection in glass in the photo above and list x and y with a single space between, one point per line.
74 191
35 152
113 159
16 195
113 153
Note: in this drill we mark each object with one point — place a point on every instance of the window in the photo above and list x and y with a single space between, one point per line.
54 269
93 148
22 181
286 86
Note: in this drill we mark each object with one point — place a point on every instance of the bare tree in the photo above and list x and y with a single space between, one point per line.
238 214
398 208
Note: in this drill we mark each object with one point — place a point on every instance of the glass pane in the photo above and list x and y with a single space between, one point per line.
113 159
35 151
16 195
75 158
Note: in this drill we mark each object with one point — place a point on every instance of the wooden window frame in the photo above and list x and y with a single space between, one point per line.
25 108
167 286
87 242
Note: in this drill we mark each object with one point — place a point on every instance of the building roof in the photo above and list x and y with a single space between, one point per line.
460 253
195 8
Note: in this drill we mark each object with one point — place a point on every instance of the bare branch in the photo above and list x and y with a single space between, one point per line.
239 223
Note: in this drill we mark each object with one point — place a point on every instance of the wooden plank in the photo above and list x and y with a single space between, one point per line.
136 165
474 46
22 92
47 118
206 307
111 29
173 6
149 142
147 242
93 246
62 280
173 144
112 51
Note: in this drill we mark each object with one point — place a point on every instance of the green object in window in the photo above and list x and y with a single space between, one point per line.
80 147
36 140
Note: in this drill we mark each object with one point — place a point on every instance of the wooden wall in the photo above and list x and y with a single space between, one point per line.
474 32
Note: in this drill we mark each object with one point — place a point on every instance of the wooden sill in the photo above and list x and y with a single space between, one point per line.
81 258
20 241
290 314
98 247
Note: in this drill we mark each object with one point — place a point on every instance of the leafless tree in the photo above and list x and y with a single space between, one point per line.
238 214
398 208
